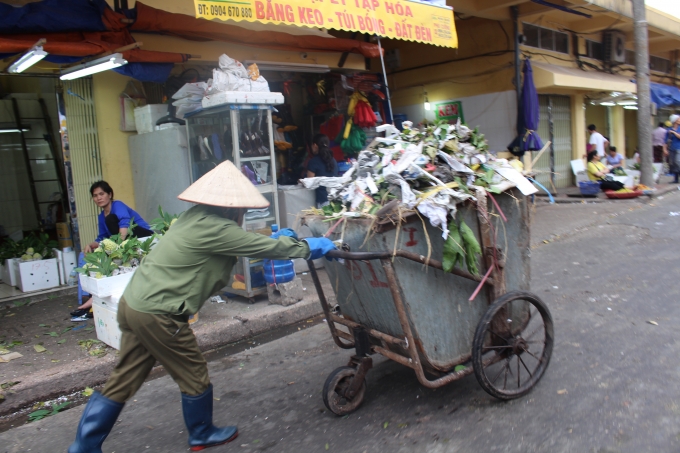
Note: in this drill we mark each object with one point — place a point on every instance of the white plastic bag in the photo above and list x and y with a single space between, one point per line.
228 64
191 89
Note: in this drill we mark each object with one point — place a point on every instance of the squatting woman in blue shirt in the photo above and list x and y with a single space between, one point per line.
115 218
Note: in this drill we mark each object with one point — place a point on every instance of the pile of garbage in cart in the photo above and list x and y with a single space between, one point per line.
432 169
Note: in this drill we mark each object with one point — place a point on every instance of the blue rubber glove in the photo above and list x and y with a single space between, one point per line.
284 232
319 247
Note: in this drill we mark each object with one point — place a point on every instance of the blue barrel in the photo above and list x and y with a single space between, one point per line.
278 271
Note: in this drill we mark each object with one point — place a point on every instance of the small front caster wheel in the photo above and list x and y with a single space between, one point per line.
334 391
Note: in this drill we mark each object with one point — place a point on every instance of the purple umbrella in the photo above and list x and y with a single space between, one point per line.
528 115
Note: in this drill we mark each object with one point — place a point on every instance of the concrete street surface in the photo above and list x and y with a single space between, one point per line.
612 385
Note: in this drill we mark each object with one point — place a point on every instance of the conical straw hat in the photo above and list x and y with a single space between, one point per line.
224 186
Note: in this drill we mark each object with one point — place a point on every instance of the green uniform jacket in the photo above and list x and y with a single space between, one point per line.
194 259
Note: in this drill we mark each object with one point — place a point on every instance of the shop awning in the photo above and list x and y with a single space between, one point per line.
664 95
429 22
548 76
91 28
152 20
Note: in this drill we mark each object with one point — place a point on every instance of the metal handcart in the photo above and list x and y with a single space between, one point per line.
394 299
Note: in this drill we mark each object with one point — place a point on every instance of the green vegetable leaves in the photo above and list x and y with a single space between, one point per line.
461 246
453 248
472 248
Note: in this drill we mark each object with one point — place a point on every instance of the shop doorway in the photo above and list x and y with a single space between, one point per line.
31 169
553 167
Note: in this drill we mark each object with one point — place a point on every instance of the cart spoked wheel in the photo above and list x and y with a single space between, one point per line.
334 391
512 345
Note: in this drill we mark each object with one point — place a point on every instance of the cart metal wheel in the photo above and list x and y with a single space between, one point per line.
512 345
334 390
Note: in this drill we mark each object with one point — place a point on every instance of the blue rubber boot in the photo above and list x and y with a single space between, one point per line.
96 423
198 412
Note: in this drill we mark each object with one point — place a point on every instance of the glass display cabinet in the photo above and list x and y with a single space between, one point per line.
241 133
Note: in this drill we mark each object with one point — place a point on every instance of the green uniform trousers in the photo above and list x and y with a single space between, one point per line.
147 338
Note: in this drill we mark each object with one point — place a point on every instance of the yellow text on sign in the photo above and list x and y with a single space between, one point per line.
407 20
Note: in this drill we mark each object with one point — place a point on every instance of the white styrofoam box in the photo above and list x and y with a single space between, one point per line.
146 117
8 273
168 125
67 262
627 181
60 266
242 97
105 314
107 286
36 275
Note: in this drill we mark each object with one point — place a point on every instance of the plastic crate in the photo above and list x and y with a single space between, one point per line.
105 313
589 187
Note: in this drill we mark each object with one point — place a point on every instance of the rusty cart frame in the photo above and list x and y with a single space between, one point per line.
503 337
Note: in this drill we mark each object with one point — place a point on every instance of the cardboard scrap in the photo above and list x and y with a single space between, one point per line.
11 356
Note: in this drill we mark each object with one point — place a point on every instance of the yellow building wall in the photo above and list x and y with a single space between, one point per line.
113 143
432 69
597 115
579 136
617 136
630 121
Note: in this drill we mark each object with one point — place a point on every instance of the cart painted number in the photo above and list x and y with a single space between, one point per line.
358 274
411 237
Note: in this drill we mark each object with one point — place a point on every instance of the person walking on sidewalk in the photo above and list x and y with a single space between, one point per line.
192 261
597 141
659 137
674 147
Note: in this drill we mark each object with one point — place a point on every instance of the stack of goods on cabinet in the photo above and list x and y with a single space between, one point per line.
231 76
29 263
431 171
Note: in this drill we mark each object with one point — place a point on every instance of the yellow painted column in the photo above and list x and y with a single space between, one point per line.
113 143
578 126
618 126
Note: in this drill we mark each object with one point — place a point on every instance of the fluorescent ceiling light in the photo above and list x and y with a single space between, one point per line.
627 103
630 107
9 130
289 67
607 104
92 67
27 60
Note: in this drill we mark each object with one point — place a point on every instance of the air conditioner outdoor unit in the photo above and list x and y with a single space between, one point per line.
614 46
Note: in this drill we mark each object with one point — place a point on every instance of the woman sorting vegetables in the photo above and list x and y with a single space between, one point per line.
597 171
114 218
192 261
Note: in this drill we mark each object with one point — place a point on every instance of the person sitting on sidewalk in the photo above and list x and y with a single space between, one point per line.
114 218
597 171
615 161
194 259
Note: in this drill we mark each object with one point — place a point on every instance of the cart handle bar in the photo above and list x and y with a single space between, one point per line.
362 256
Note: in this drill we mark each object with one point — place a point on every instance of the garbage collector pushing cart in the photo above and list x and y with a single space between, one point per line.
191 262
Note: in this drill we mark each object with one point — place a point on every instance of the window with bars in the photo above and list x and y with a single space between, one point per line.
545 38
594 50
655 63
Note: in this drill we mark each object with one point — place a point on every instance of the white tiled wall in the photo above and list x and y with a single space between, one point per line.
494 113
